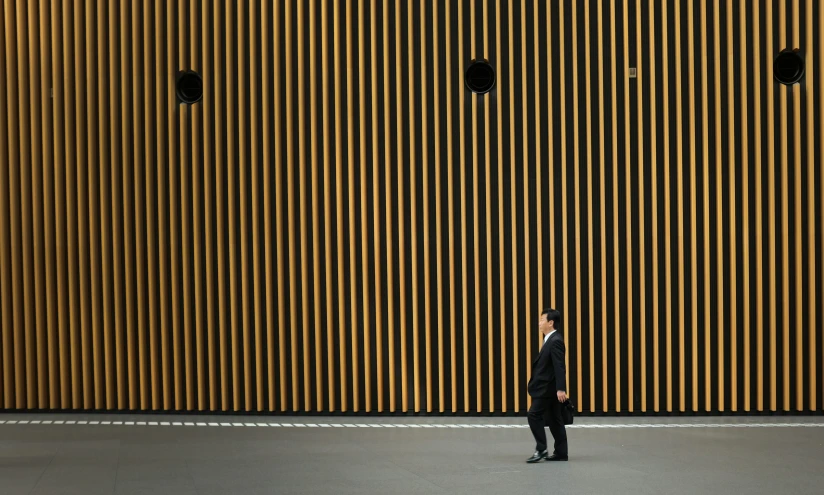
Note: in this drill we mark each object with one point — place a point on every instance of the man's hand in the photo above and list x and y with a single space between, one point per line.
562 396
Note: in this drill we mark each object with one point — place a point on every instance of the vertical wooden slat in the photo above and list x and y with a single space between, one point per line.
413 164
590 240
538 165
186 216
438 235
667 208
221 117
290 195
732 129
235 154
5 292
244 164
316 248
231 169
705 179
138 136
339 206
642 258
13 333
401 210
516 363
266 59
451 222
679 118
6 267
603 202
500 200
472 128
63 371
693 204
210 101
745 209
128 360
279 222
174 217
616 262
576 153
784 100
550 154
116 372
462 144
112 240
641 221
653 159
811 239
197 168
489 203
162 103
29 122
38 144
529 317
353 280
302 165
363 152
773 280
13 337
14 150
257 139
16 129
795 94
124 276
425 161
151 246
719 221
104 373
565 161
327 214
388 184
759 213
475 253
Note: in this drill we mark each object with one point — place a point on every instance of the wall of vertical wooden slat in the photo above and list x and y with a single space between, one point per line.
341 226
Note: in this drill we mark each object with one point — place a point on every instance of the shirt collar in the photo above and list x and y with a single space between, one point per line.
549 335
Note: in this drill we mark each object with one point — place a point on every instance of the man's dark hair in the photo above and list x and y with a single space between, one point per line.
552 315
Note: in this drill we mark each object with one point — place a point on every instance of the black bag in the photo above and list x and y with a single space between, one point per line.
567 411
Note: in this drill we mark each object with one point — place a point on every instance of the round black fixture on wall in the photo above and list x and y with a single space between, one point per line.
189 87
480 77
789 67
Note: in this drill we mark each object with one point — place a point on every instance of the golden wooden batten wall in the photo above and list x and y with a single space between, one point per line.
339 225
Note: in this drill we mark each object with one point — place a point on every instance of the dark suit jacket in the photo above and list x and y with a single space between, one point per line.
549 368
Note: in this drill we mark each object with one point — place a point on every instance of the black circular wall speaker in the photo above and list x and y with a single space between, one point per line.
189 87
789 67
480 77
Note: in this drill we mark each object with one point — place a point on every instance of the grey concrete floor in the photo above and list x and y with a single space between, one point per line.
405 455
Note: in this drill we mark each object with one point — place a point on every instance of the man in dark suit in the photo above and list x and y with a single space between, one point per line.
548 390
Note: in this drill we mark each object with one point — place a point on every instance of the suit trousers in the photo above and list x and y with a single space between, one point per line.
546 411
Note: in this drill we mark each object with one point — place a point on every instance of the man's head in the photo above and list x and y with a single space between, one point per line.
550 320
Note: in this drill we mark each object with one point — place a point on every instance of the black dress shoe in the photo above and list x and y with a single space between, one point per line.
537 457
556 457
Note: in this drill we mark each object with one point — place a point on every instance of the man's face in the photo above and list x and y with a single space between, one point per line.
544 326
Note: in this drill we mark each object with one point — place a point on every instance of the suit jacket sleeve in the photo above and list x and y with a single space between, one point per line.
559 363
